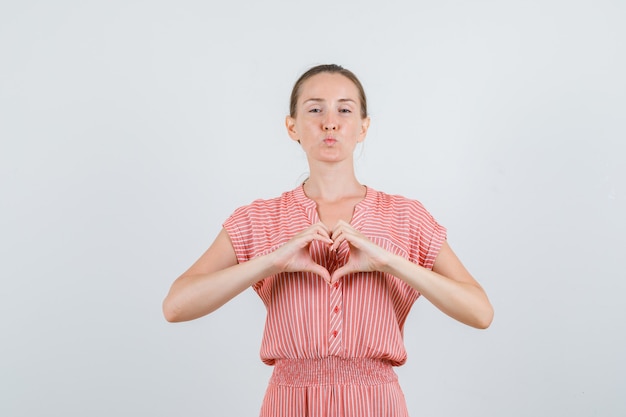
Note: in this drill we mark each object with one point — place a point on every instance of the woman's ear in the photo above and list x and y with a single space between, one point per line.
290 124
365 124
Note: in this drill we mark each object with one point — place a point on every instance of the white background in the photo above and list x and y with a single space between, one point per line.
130 130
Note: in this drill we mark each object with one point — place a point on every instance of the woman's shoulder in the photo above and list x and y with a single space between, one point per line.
395 201
286 197
269 205
400 212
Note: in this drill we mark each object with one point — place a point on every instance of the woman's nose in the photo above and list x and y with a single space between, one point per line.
330 123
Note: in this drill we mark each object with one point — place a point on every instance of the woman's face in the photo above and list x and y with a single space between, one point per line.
328 121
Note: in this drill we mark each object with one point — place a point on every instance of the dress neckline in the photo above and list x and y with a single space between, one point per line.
311 206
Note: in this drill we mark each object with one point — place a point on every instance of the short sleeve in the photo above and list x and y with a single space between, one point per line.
239 229
427 236
254 230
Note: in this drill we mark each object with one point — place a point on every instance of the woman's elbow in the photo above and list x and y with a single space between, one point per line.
171 311
484 319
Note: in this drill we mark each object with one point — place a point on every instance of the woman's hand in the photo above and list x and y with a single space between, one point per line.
294 256
364 256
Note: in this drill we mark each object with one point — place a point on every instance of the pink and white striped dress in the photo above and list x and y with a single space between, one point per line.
333 347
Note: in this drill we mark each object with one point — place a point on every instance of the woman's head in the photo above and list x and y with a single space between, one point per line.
328 115
332 69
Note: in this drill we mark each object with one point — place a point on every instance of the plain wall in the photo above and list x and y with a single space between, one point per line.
130 130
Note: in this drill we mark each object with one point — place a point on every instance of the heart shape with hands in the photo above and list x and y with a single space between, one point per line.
364 255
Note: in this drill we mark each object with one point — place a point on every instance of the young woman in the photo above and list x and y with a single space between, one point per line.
338 266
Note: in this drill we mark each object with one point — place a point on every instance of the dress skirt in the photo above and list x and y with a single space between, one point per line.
333 387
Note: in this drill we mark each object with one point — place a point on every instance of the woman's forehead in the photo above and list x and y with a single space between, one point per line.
326 85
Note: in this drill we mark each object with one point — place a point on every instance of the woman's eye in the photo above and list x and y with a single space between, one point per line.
315 110
345 111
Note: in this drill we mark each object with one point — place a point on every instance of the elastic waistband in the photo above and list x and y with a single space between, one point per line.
332 370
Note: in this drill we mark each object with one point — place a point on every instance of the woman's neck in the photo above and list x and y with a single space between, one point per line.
331 187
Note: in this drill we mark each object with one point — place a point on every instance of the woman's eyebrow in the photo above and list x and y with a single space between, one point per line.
317 100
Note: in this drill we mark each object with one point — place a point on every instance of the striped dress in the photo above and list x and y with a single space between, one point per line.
333 347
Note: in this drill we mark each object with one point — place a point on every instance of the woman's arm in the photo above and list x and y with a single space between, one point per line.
211 281
449 286
216 277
